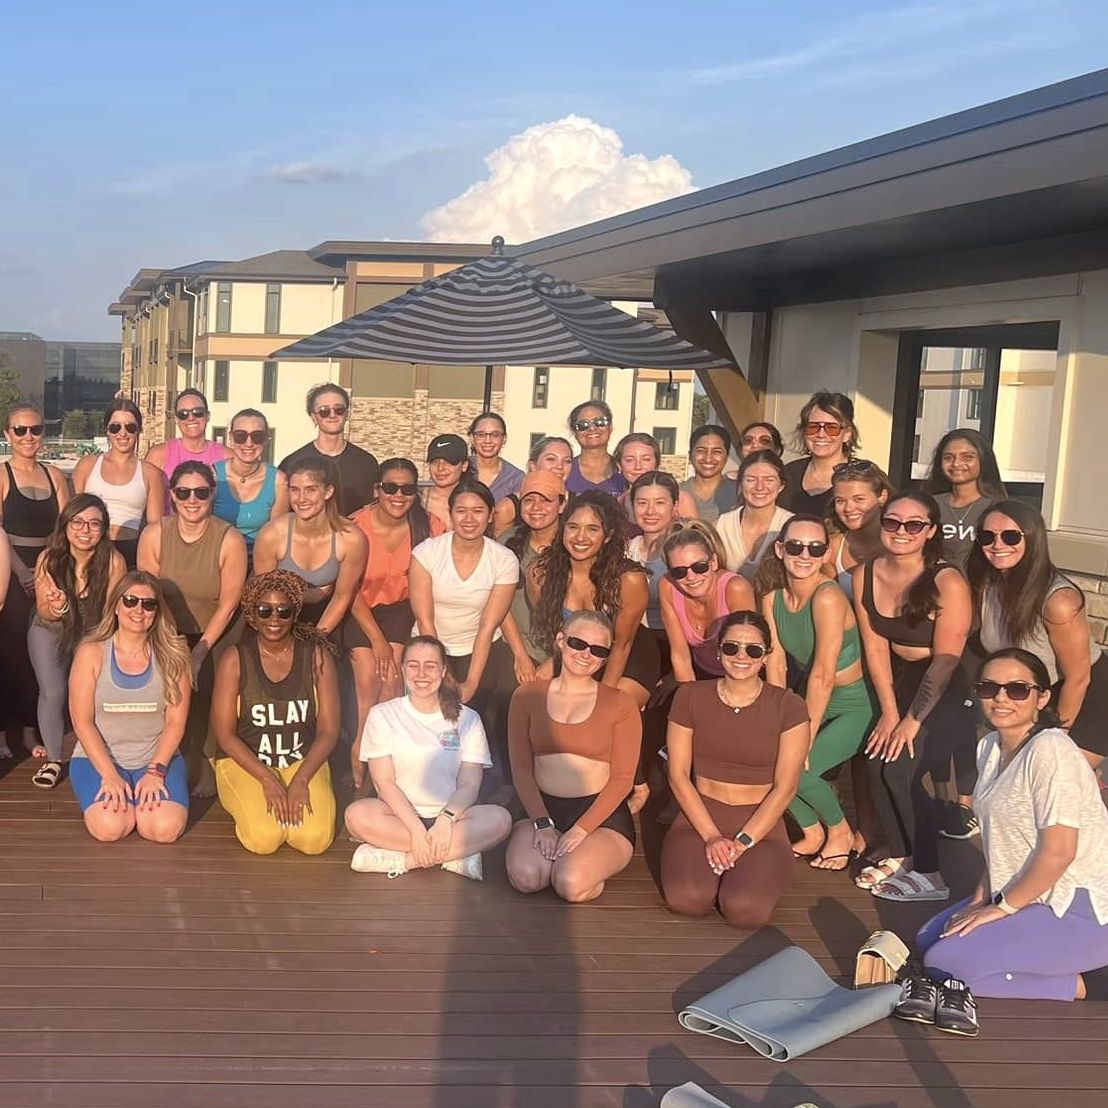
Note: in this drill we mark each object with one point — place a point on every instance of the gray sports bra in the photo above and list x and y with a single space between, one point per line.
326 574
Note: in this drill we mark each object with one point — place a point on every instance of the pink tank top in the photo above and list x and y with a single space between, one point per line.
703 648
175 454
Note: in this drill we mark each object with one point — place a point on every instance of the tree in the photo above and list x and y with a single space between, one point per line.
78 424
701 409
10 392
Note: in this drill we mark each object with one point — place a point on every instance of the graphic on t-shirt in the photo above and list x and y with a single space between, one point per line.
280 744
450 740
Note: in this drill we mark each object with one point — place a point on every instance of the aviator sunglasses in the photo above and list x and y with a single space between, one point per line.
284 611
679 573
1014 690
326 411
574 643
591 424
912 526
34 429
183 492
258 438
191 413
1009 536
115 428
814 427
794 548
391 488
149 603
750 649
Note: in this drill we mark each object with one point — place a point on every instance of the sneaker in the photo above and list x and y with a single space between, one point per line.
469 866
918 999
374 859
959 822
956 1010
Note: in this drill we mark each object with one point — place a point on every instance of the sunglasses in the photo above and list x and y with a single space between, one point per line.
831 430
258 438
591 424
183 492
679 573
284 611
391 488
149 603
191 413
326 411
91 525
574 643
794 548
115 428
758 440
750 649
857 468
911 526
34 429
1014 690
1010 537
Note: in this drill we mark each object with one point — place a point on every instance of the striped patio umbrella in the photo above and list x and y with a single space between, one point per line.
499 311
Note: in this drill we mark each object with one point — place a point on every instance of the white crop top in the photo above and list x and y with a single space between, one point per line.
126 504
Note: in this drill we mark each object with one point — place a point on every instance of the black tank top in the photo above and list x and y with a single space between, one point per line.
28 522
897 629
277 718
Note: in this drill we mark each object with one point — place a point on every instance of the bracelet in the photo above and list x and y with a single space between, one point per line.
157 769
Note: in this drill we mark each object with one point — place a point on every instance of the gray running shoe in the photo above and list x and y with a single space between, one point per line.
956 1010
918 998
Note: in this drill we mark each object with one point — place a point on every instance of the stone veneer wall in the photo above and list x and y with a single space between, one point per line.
1096 599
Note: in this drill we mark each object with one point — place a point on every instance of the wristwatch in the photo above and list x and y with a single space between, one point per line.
452 816
743 839
542 823
1000 901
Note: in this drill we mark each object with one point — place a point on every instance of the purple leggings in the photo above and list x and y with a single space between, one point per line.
1032 955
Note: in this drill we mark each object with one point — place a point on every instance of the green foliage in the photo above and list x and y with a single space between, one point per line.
79 424
9 386
701 409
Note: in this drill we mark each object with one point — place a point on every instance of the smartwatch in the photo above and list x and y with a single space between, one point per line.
452 816
743 839
542 823
1001 903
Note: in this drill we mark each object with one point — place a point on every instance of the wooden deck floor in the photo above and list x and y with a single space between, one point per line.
136 976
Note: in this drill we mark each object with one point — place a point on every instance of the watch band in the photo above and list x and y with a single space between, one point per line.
542 823
450 815
1001 902
744 839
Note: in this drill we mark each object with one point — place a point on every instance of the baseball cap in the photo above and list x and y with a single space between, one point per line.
545 483
451 448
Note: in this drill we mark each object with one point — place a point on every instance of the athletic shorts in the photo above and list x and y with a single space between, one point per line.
85 780
565 811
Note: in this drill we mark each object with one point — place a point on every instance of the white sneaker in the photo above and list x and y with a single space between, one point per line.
469 866
375 859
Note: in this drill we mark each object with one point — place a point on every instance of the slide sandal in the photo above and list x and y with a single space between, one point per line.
47 775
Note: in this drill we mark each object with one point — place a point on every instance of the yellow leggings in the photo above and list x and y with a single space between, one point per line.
242 796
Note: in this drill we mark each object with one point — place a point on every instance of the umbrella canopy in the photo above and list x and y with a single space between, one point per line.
500 311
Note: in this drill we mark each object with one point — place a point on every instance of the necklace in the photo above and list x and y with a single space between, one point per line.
275 654
141 652
243 478
736 708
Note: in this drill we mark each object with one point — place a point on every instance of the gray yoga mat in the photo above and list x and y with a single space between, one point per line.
786 1006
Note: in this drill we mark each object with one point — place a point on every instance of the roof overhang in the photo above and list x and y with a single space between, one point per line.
339 251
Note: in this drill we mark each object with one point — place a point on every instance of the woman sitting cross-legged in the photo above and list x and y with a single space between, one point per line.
426 752
275 713
1039 917
574 747
129 689
745 741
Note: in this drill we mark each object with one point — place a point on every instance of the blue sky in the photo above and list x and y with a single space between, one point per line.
159 134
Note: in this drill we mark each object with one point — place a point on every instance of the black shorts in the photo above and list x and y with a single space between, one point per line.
565 811
395 620
1090 729
644 662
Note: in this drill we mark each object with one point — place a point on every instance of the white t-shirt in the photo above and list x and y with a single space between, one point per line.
459 603
426 749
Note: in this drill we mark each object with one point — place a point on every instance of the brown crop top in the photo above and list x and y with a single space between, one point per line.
736 748
612 734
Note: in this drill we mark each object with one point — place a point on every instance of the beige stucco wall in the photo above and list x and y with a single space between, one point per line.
305 308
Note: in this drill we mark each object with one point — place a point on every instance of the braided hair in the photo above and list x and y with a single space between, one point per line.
291 586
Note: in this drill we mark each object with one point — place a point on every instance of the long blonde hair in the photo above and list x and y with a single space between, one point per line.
171 652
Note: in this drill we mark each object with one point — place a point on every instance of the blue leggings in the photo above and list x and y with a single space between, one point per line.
1032 955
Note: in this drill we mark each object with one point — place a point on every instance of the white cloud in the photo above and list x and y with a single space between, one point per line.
306 173
554 176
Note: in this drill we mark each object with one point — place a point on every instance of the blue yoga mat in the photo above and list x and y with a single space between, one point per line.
786 1006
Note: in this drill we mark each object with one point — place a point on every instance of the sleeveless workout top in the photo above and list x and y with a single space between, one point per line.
896 628
126 504
190 575
844 576
797 632
703 647
247 516
577 482
277 718
319 578
29 522
656 568
175 454
723 500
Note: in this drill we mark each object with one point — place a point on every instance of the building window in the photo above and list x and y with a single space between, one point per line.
667 439
973 404
203 328
540 389
915 448
536 438
666 396
219 434
222 381
223 307
977 357
919 404
273 309
269 382
599 384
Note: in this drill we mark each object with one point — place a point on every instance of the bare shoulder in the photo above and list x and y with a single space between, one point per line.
1063 605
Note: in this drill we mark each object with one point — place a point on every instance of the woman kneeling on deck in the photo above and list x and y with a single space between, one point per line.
275 713
574 747
129 697
427 753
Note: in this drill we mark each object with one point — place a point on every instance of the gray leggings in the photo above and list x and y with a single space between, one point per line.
51 667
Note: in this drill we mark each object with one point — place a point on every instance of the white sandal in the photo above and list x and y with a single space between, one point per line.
872 876
47 775
910 886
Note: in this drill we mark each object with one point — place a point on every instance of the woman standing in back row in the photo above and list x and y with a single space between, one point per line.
191 445
826 435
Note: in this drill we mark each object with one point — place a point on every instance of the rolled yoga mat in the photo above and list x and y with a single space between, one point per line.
690 1095
786 1006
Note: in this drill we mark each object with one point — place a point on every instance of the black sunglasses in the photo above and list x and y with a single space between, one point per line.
149 603
912 526
1009 536
391 488
1014 690
34 429
794 548
856 467
679 573
284 611
590 424
750 649
574 643
258 438
191 413
183 492
115 428
325 411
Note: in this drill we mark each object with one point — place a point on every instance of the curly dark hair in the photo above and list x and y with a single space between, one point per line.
291 586
553 567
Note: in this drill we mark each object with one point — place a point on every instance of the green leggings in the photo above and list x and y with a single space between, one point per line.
846 723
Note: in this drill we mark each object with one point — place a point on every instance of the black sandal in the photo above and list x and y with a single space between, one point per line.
47 775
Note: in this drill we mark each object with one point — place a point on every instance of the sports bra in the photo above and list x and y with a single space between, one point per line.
797 632
28 521
897 629
126 504
319 578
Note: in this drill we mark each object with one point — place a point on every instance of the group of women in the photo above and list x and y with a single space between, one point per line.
569 628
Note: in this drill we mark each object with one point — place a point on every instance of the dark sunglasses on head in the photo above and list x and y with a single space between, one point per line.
149 603
590 424
34 429
794 548
574 643
814 427
391 488
191 413
325 411
750 649
679 573
1009 536
284 611
183 492
1014 690
912 526
258 438
858 467
115 428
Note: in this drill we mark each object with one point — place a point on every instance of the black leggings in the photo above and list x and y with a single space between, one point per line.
491 700
904 806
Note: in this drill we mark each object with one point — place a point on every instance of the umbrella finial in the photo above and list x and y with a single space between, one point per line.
497 245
